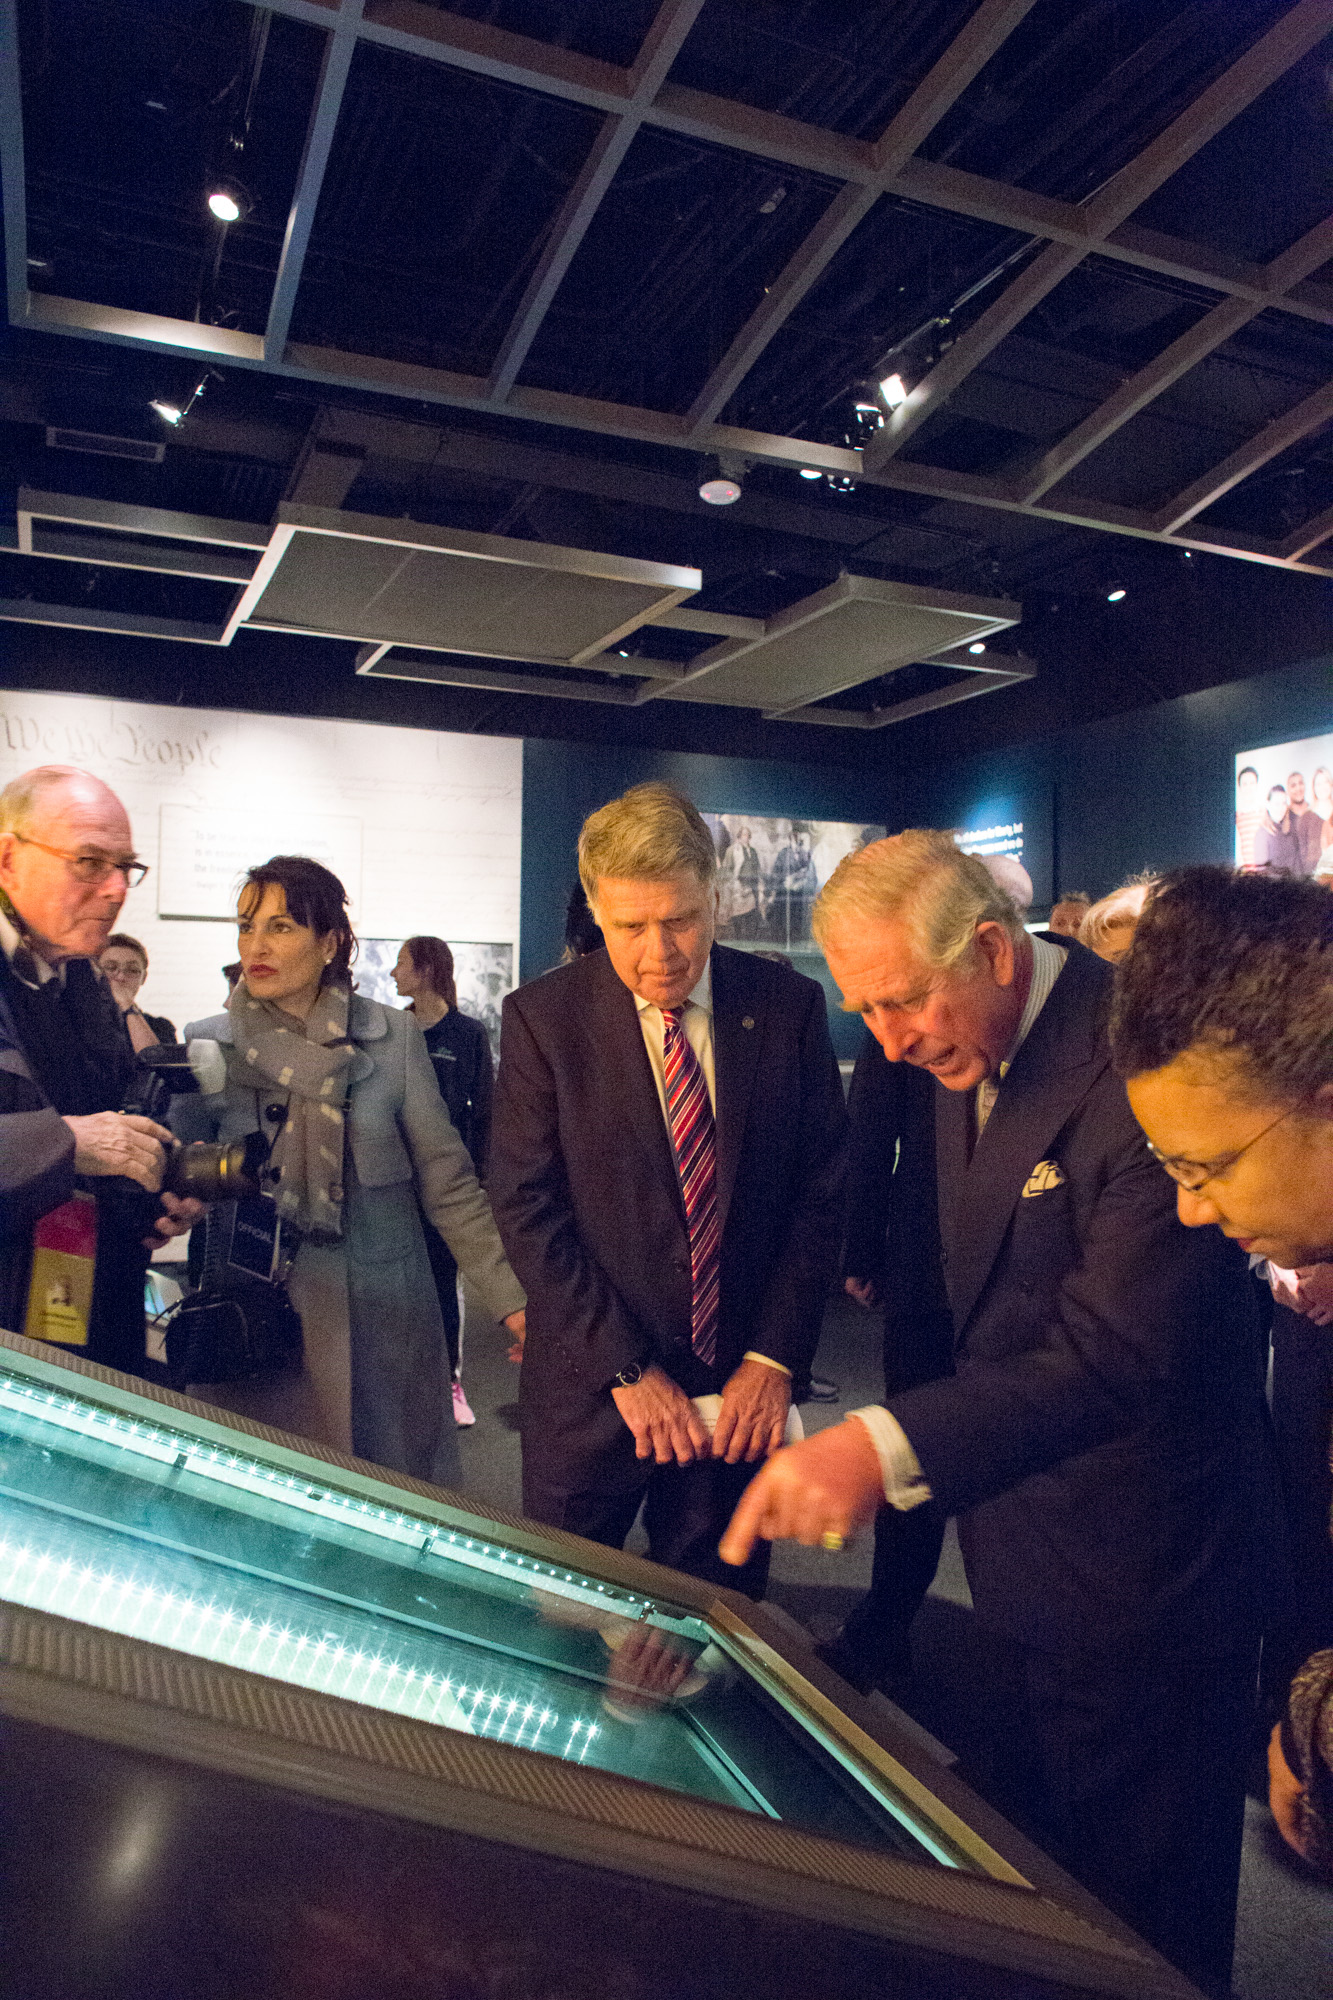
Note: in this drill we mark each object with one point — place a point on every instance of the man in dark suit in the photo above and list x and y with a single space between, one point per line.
665 1175
1101 1433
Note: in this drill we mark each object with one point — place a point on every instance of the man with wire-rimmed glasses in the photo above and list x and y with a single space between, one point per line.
67 1229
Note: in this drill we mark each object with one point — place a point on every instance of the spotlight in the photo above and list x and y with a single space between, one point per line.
722 488
1114 596
228 201
176 413
810 472
894 391
977 646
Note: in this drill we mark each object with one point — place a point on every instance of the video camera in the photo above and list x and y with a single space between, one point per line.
208 1172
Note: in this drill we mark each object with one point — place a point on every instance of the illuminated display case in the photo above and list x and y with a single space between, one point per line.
279 1723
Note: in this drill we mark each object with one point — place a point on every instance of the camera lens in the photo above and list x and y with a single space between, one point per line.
232 1172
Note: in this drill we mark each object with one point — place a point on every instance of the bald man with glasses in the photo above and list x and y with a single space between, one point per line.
67 862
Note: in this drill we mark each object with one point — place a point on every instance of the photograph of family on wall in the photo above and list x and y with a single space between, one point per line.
1284 808
771 870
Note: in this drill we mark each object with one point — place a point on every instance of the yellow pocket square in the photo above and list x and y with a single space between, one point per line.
1047 1174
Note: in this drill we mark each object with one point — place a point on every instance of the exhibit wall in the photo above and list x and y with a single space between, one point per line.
423 827
1154 788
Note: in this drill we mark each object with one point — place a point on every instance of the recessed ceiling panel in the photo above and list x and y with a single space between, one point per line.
852 632
357 577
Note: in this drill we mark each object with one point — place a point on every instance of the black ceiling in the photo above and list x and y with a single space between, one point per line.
408 331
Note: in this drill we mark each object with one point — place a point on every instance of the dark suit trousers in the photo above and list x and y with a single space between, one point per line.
1129 1770
874 1649
685 1511
1302 1427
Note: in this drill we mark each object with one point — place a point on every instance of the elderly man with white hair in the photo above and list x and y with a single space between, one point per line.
1099 1431
67 1153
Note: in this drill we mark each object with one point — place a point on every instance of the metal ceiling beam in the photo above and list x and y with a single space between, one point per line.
1268 59
12 172
1310 534
339 48
662 45
1203 338
1279 436
941 87
435 35
497 680
982 680
416 29
432 385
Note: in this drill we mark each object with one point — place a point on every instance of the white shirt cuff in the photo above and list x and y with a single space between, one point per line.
904 1485
751 1355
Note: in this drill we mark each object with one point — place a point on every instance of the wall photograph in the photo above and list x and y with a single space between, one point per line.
1284 807
771 870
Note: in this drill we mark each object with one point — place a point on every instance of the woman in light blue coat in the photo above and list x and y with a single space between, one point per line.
344 1090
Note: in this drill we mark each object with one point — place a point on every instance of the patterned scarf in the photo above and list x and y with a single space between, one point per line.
310 1064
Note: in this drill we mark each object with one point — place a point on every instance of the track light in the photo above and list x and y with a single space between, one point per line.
977 646
1114 596
176 413
722 488
894 391
811 472
228 201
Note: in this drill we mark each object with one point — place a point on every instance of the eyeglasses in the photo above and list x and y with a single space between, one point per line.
93 868
1204 1171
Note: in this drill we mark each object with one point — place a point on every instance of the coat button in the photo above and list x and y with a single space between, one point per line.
275 1113
748 1021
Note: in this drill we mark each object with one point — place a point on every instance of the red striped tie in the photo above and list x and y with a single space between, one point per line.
690 1118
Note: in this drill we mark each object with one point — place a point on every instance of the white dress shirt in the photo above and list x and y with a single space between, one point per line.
904 1485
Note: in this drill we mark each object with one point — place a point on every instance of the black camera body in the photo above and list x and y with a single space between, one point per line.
206 1172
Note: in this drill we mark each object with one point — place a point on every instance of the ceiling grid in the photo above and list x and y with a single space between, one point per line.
923 453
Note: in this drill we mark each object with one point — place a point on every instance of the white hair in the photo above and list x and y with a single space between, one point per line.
923 877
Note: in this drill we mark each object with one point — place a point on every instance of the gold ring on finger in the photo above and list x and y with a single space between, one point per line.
832 1541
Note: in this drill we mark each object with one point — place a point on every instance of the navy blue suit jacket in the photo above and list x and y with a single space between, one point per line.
1103 1435
584 1188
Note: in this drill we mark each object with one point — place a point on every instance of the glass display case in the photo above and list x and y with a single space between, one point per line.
269 1638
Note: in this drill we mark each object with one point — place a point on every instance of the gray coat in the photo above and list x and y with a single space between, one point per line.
400 1145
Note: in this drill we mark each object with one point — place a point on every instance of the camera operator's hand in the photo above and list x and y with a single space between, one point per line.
121 1142
182 1212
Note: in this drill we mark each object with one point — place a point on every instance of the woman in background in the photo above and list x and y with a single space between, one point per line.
362 1150
124 966
460 1054
1108 927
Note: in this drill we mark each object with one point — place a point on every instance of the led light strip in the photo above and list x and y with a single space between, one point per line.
226 1467
460 1548
213 1631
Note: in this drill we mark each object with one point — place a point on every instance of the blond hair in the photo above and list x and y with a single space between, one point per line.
649 833
1119 911
924 878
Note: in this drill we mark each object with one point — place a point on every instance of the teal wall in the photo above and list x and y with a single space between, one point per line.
1149 789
